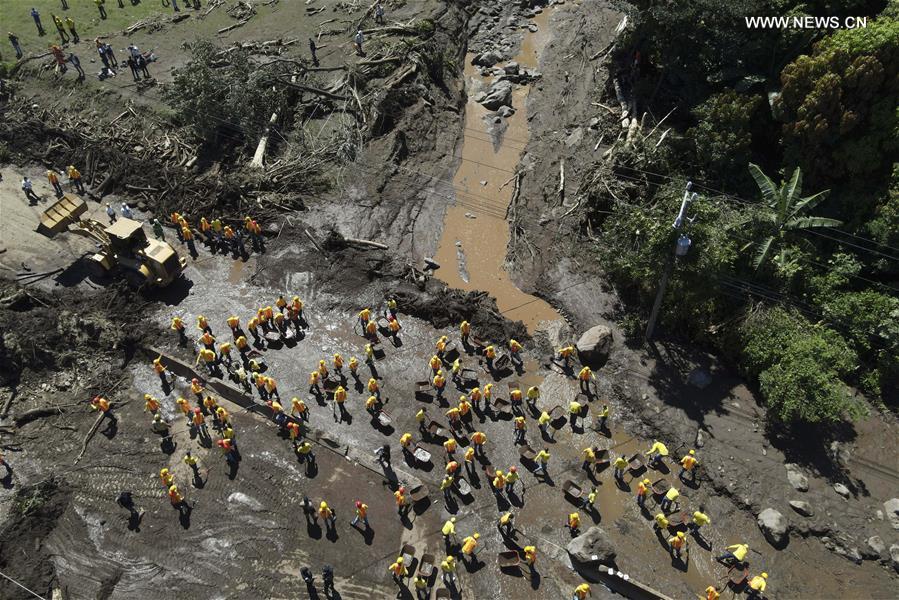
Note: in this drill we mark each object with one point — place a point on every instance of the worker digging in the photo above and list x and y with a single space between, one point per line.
448 300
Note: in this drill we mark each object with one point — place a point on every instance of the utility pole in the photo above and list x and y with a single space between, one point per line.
680 249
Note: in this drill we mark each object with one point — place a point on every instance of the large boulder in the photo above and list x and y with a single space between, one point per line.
842 490
592 546
499 94
894 555
487 59
891 508
774 526
595 346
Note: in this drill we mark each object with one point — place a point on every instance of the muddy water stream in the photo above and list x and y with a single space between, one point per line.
475 235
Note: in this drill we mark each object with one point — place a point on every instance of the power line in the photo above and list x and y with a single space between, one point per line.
11 580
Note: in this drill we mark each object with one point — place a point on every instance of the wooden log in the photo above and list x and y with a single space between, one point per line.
369 243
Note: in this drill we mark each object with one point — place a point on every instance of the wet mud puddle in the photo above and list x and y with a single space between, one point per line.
476 233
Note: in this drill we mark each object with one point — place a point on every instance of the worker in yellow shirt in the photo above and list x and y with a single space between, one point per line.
373 387
757 586
464 331
515 355
469 547
587 503
399 570
677 543
620 465
688 465
601 421
457 372
530 556
575 409
533 394
449 533
656 452
543 423
699 519
448 568
421 417
670 498
353 366
446 486
364 316
589 454
373 405
541 459
506 525
734 553
422 591
661 522
490 356
574 523
581 592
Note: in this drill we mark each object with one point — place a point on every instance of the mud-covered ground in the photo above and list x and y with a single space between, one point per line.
69 339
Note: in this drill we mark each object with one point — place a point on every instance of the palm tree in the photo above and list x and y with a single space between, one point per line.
785 213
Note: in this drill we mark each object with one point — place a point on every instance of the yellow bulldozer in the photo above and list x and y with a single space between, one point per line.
123 245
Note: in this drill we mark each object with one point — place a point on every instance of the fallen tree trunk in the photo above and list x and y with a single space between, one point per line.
369 243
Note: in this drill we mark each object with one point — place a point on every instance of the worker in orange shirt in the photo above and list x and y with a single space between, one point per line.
439 383
361 514
403 502
178 326
327 515
374 388
479 439
450 446
151 404
203 324
299 409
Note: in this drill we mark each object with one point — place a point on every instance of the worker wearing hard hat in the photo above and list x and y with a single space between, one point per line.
581 592
688 465
656 452
399 570
469 545
678 543
757 586
736 553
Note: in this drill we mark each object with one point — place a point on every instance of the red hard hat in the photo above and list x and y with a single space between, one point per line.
195 380
402 489
358 504
197 410
513 469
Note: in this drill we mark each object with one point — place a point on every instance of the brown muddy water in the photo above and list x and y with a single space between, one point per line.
476 233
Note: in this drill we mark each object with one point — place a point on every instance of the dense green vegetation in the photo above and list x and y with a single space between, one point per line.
791 137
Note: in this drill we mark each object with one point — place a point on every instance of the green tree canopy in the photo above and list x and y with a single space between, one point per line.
841 104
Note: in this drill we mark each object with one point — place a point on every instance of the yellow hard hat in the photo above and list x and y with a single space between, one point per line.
174 488
399 560
681 534
477 536
646 482
692 452
765 575
163 471
323 504
453 520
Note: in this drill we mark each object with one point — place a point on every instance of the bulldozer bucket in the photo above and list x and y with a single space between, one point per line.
61 213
